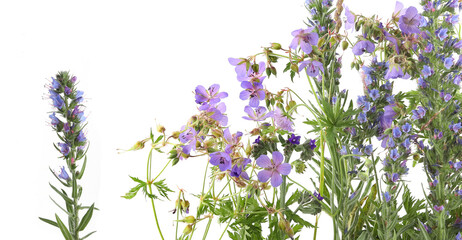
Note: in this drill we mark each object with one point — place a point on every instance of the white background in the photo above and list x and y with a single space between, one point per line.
137 62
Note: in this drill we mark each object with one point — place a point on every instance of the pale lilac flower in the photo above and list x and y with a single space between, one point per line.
282 121
406 143
240 67
253 91
438 208
394 71
458 237
447 97
368 149
362 47
409 21
362 118
210 97
312 67
253 76
257 114
188 137
386 119
54 120
273 169
304 38
55 84
457 80
343 151
452 19
221 159
350 19
398 9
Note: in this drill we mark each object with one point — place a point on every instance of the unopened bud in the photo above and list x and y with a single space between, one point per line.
275 46
217 132
189 219
175 134
344 45
160 128
294 68
363 176
187 230
368 163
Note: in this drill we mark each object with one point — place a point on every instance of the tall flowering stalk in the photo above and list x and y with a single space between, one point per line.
68 120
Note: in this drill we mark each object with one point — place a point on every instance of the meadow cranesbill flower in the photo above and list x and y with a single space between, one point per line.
257 114
210 97
273 169
63 175
312 67
240 67
305 38
253 91
350 19
394 71
221 159
188 137
282 121
409 21
238 171
362 47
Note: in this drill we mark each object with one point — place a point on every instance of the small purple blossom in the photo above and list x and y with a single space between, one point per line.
386 119
343 151
54 120
396 132
63 175
447 97
362 47
427 71
362 118
238 171
356 151
78 114
457 80
419 113
273 169
406 143
221 159
257 140
294 140
282 121
318 196
58 102
64 148
394 154
312 144
448 62
350 19
374 94
67 90
458 237
253 91
210 97
305 38
81 137
438 208
387 196
394 177
368 149
394 71
312 67
406 127
409 21
442 33
429 48
257 114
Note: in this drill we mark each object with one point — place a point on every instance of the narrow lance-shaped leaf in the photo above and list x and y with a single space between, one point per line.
63 228
86 218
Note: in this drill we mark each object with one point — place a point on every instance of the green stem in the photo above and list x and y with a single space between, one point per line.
148 174
178 205
227 225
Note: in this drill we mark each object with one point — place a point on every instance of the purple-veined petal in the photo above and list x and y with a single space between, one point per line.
264 175
284 168
254 102
277 158
276 179
306 47
264 162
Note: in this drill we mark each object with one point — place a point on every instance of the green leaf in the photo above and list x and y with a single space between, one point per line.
132 193
87 235
159 138
63 228
65 197
86 218
82 170
49 221
162 188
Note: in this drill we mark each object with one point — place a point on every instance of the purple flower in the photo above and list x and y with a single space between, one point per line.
422 83
55 84
66 127
188 136
254 91
355 151
442 33
426 71
238 171
257 140
447 97
386 196
240 67
221 159
361 100
251 75
210 97
64 148
448 62
457 80
398 9
458 237
58 102
312 67
394 154
257 114
362 47
374 94
457 166
54 120
419 113
217 114
438 208
409 21
73 79
368 149
318 196
273 169
394 71
362 118
394 177
294 140
63 175
78 114
396 132
312 144
429 48
79 97
406 143
282 121
304 38
386 119
350 19
81 137
343 151
452 19
67 90
352 195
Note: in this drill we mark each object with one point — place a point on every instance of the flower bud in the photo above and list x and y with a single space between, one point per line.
299 166
363 176
294 68
160 128
368 163
276 46
189 219
175 134
344 45
217 132
187 230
